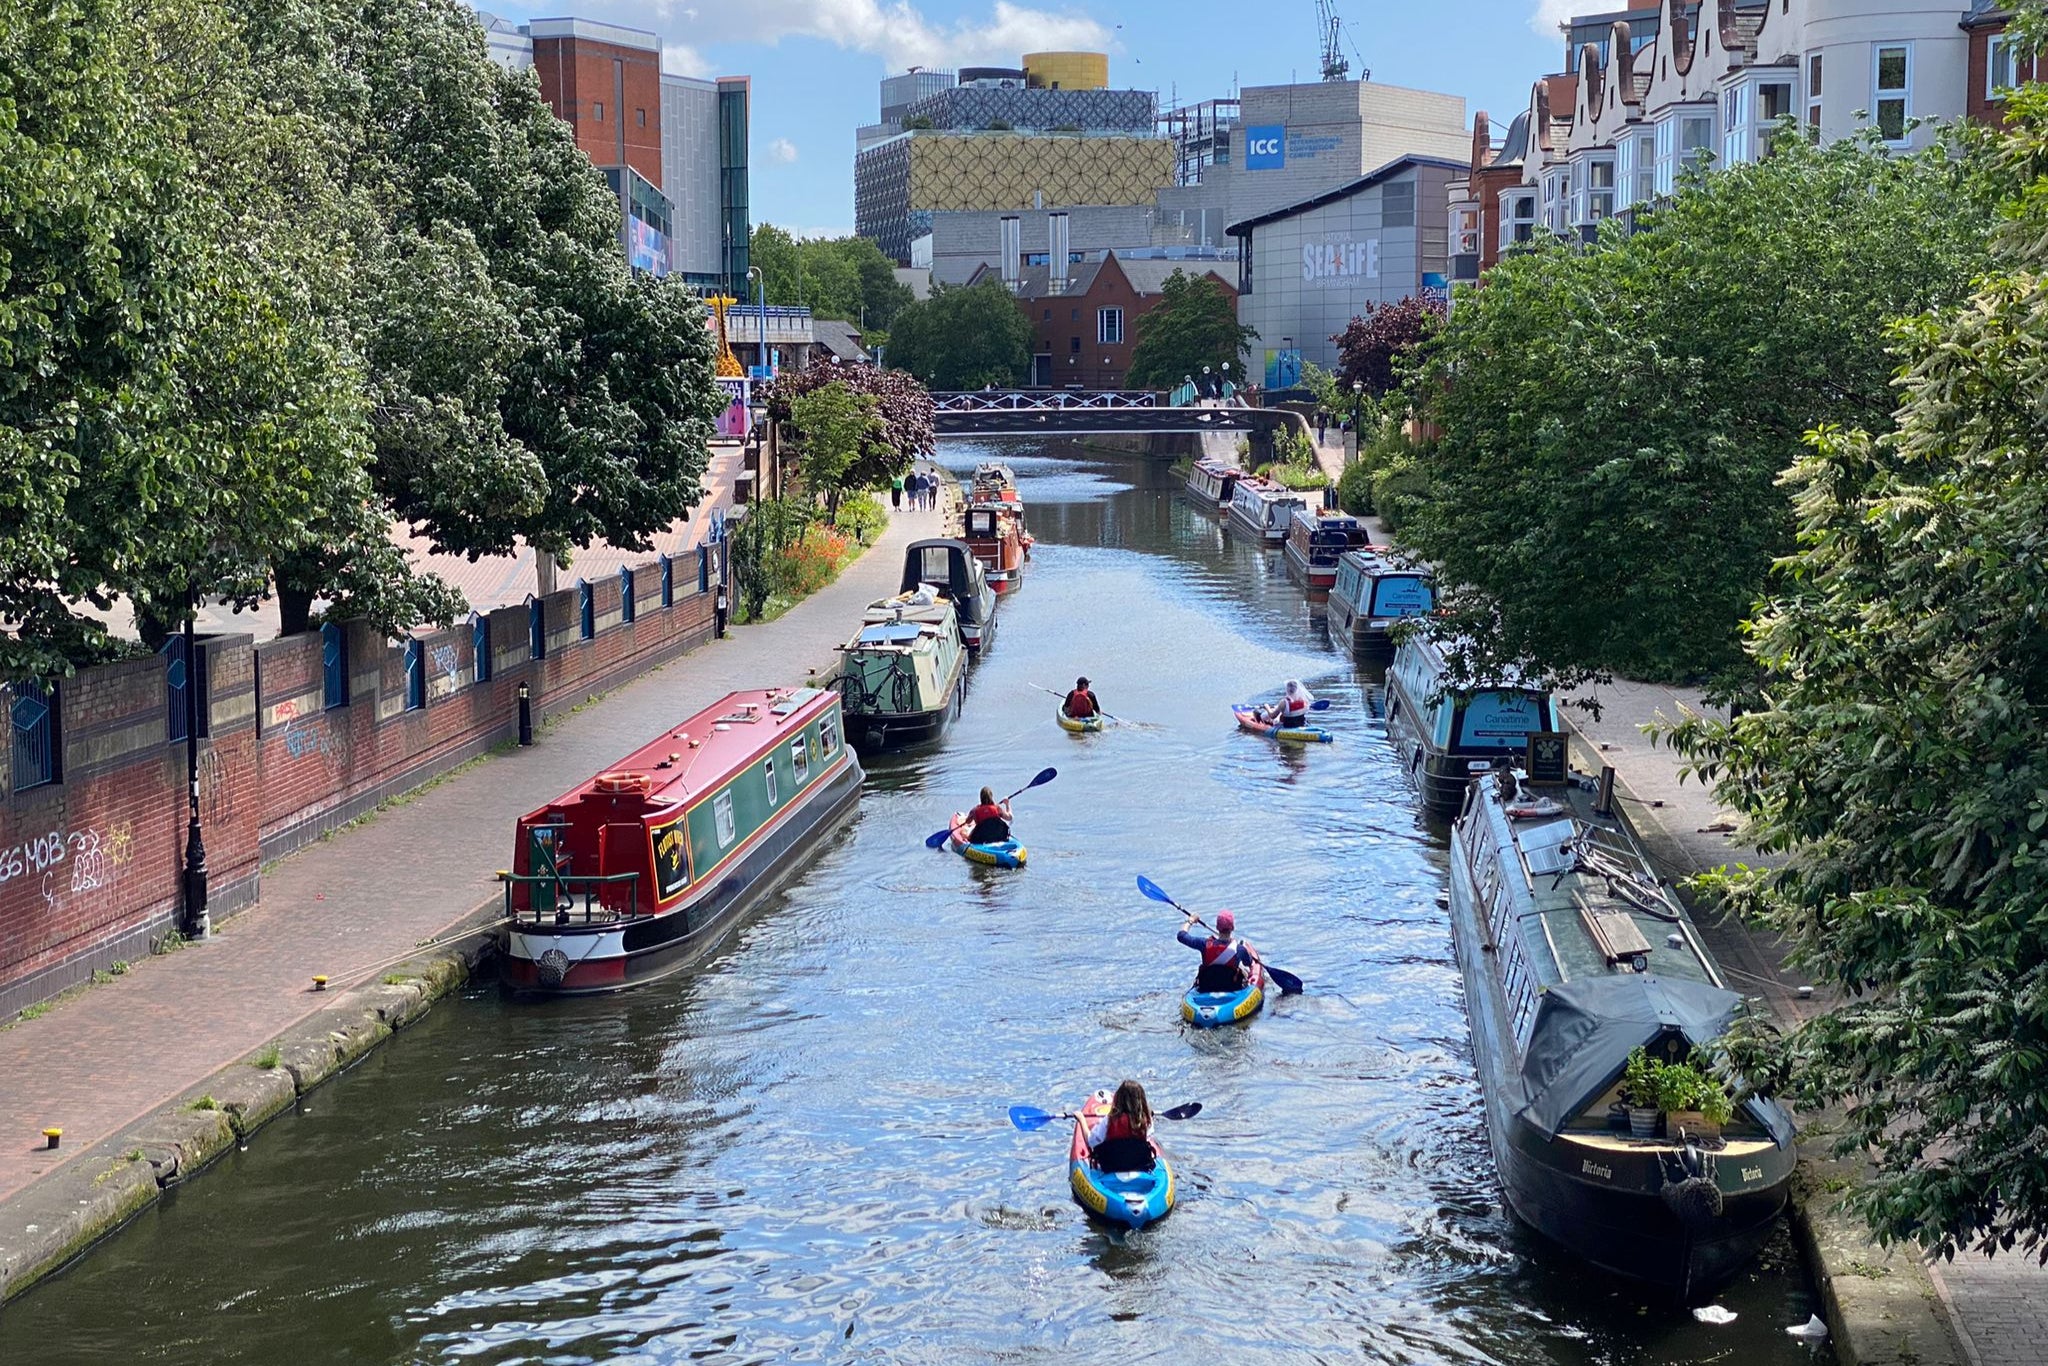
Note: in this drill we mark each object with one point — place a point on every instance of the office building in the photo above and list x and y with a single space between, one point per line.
704 175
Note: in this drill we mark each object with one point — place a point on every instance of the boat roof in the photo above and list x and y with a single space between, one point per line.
701 752
1321 519
1381 559
1266 488
916 608
1430 647
893 633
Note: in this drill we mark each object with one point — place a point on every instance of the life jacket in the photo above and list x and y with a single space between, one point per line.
987 825
1080 704
1119 1126
1222 969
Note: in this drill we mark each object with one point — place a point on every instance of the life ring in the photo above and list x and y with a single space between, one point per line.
624 783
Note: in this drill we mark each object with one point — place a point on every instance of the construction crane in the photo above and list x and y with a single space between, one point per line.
1335 65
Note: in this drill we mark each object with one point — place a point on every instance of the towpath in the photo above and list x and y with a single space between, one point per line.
351 905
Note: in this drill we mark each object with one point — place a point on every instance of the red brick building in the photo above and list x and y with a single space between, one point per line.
1083 331
604 81
1994 66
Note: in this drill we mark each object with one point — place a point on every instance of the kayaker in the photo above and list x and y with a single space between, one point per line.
1291 711
1227 961
1121 1141
990 821
1081 703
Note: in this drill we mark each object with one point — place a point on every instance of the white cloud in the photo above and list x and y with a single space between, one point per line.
782 149
1550 14
894 30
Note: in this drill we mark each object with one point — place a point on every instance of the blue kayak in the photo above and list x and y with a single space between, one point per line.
1008 854
1213 1009
1132 1199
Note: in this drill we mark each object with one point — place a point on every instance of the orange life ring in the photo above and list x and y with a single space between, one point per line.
639 783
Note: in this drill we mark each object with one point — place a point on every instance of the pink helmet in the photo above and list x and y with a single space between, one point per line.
1226 923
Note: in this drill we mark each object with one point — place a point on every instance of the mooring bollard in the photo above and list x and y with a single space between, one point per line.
51 1137
525 716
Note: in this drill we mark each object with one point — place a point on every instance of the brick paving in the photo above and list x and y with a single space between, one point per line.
353 904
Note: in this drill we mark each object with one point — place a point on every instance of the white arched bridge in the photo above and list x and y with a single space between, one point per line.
1089 412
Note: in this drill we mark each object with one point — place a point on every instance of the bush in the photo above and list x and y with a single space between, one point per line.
1297 477
1399 489
1354 489
808 563
860 517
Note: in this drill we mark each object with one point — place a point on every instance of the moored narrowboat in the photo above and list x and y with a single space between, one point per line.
1574 955
949 568
1374 590
1261 509
904 670
1445 735
995 533
1316 538
640 870
1211 482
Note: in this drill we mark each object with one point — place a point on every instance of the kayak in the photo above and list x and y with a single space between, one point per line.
1080 726
1209 1009
1132 1199
1008 854
1248 719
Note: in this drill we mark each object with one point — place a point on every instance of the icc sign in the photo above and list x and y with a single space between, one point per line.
1265 147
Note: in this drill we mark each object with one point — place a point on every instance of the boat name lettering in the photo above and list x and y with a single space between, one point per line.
671 860
1752 1173
1592 1168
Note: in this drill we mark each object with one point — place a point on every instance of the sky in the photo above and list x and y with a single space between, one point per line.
815 64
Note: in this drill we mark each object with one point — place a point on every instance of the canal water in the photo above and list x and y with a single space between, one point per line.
800 1152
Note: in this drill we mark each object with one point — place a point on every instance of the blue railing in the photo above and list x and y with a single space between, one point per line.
33 709
480 646
586 608
536 628
625 593
1183 397
703 569
668 582
415 675
177 678
333 666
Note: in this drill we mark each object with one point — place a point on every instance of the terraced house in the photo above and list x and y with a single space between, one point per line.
1648 91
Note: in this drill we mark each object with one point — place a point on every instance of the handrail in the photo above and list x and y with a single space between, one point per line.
572 881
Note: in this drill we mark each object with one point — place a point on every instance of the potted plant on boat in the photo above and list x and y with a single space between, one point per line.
1693 1101
1639 1093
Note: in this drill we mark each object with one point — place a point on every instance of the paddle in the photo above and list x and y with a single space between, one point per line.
1044 776
1027 1118
1289 984
1098 711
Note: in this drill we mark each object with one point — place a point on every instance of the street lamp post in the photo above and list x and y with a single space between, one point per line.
1357 417
1208 385
197 923
761 296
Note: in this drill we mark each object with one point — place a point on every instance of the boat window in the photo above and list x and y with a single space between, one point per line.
1402 595
1496 720
800 761
721 811
768 772
828 737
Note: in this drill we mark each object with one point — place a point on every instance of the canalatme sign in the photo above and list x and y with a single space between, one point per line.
1325 263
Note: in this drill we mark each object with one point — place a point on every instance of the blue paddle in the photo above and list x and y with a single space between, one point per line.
1320 704
1289 984
1045 776
1028 1118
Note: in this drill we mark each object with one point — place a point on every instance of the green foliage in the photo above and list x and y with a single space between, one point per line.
1615 418
846 278
1322 386
1300 478
831 424
860 517
1377 348
1354 489
1194 324
901 404
1675 1086
963 337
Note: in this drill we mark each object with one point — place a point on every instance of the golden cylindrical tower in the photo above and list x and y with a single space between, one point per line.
1067 70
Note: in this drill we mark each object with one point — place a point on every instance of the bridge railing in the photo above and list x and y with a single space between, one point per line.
1039 400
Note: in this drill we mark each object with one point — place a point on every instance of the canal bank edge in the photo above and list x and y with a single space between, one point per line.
1882 1306
52 1222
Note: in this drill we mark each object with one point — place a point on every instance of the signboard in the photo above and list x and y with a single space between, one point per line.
1547 759
1402 596
671 859
1323 263
1283 368
1265 147
1435 287
738 391
1498 719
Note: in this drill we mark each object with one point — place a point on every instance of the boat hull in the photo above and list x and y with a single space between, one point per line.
611 956
1355 631
1247 719
1087 726
874 732
1269 536
1440 778
1316 577
1007 854
1216 1009
1128 1199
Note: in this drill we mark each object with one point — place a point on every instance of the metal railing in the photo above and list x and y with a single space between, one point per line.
32 706
1040 400
567 887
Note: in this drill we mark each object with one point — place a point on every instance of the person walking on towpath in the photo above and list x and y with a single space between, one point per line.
896 493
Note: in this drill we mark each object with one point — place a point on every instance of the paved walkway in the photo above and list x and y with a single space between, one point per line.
349 906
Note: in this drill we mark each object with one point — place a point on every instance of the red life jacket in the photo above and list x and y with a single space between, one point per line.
1216 950
1080 704
1119 1126
985 812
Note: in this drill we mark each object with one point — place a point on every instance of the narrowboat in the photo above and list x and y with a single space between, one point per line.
992 480
904 670
1373 591
1445 735
995 532
640 870
1211 482
949 568
1316 538
1133 1198
1574 955
1261 509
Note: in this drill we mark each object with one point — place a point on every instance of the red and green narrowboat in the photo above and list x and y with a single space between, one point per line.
641 869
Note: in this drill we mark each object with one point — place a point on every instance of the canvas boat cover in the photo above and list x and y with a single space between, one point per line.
1586 1029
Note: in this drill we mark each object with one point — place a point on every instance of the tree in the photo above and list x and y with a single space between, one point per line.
1194 325
1384 337
902 406
833 424
1899 759
963 337
846 278
1614 418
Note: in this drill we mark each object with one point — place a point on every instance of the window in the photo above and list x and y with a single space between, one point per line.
333 667
721 813
1048 315
415 676
1109 326
1894 86
1813 91
1074 315
597 110
1074 345
480 647
768 773
625 593
800 761
33 708
2000 71
640 118
1517 219
1695 137
1735 141
1599 190
828 737
586 609
668 582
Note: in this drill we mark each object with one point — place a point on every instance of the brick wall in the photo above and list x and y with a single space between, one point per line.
90 864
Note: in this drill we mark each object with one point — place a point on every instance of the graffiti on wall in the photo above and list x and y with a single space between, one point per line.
69 861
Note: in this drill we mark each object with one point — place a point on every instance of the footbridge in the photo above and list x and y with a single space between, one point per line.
1094 412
